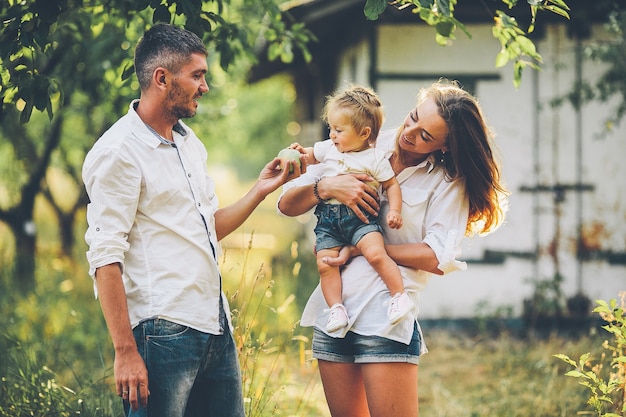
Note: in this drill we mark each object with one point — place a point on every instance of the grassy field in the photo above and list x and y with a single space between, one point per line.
506 377
55 359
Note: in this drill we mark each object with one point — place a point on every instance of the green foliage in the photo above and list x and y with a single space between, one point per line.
236 122
547 299
514 40
51 357
605 378
239 122
611 53
35 36
515 46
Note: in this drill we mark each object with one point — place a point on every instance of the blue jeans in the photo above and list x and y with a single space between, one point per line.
190 373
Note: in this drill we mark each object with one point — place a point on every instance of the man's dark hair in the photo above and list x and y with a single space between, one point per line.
166 46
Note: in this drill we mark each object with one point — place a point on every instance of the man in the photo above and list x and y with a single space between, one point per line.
154 228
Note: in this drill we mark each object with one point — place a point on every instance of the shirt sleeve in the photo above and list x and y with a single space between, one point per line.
113 184
384 171
321 148
445 223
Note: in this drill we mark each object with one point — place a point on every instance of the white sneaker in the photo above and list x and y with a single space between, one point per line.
337 319
399 306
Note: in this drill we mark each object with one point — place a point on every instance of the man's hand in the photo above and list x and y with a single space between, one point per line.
272 176
131 378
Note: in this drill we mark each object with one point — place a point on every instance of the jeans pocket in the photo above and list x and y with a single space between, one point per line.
163 329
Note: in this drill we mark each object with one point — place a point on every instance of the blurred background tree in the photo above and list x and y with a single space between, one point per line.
72 62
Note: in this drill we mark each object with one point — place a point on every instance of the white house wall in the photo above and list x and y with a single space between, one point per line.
538 146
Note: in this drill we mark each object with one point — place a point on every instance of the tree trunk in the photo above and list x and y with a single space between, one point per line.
24 267
20 217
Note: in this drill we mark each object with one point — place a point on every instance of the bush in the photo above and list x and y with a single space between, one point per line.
605 377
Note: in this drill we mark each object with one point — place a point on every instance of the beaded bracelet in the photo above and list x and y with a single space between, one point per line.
316 193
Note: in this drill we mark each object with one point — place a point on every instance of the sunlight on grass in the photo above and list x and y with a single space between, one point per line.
466 376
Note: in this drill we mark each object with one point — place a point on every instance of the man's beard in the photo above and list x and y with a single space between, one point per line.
175 100
181 112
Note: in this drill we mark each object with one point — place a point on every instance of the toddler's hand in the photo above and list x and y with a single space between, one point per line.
297 147
394 219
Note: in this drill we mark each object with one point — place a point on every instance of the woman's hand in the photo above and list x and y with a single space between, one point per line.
351 190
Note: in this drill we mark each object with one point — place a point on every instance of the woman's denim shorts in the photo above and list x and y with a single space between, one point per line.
356 348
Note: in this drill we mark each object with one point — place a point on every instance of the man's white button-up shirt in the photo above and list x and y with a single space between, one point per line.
152 211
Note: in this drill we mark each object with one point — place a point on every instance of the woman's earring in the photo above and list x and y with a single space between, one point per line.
443 157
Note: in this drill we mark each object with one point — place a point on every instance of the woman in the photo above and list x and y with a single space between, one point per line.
444 161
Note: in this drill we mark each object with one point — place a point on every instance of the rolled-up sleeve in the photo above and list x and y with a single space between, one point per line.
113 184
445 223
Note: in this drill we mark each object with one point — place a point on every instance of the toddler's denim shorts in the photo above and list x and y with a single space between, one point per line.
337 225
356 348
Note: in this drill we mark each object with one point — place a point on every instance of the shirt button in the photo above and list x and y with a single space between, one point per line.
199 204
97 229
189 175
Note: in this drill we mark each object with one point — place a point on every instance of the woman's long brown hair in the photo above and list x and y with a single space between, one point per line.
470 156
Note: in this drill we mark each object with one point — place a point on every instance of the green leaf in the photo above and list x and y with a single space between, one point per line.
441 40
502 58
558 10
273 51
445 28
565 358
161 14
128 71
286 55
41 96
576 374
583 359
374 8
527 46
427 16
25 114
517 74
561 4
443 7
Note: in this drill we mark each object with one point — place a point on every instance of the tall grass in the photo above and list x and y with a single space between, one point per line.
273 355
56 355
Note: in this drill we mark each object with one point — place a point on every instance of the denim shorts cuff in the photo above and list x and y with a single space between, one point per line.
413 359
331 357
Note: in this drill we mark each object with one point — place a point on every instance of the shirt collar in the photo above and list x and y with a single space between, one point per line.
148 136
430 161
